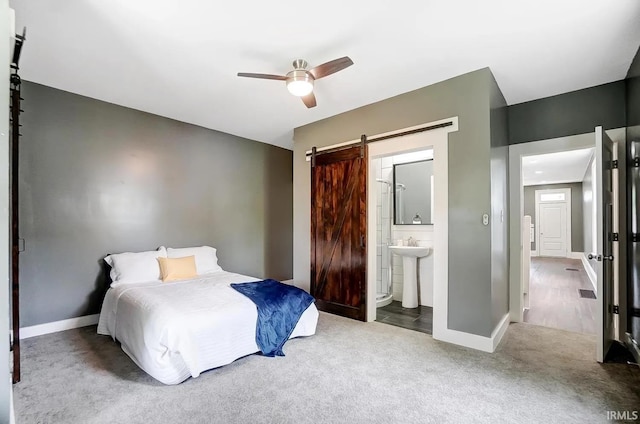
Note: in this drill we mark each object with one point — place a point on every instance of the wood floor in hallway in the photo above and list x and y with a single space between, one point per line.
554 297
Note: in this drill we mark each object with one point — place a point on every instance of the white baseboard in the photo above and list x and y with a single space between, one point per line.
500 330
575 255
485 344
590 273
570 255
12 411
54 327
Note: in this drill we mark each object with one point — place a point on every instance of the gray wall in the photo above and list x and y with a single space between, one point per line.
97 178
466 96
633 92
577 228
633 133
499 205
576 112
5 386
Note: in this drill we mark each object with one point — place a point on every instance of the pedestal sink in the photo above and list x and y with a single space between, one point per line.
410 255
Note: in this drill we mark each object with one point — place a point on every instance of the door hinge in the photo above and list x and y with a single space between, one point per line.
614 237
636 163
635 237
615 309
614 164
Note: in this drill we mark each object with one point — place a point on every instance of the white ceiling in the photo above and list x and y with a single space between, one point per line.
180 59
554 168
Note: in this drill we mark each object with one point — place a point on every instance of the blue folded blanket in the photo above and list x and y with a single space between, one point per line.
280 306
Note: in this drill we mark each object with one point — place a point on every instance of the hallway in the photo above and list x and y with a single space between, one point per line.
554 297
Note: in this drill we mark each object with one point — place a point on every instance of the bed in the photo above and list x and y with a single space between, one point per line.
176 330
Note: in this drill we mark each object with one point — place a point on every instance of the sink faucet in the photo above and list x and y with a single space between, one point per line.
412 242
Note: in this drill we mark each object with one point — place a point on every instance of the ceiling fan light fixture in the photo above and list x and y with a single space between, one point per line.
299 83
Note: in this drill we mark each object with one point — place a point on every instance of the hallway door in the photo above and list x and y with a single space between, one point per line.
553 229
553 222
338 232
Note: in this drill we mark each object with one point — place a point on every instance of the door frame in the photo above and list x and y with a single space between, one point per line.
567 202
438 140
516 200
516 206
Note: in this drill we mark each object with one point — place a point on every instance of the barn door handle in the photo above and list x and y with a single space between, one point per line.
362 241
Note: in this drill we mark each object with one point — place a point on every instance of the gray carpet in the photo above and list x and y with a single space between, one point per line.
349 372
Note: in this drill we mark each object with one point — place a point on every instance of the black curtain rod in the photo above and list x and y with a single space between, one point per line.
383 137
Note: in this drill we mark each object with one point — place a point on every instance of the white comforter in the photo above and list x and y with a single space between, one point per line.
180 329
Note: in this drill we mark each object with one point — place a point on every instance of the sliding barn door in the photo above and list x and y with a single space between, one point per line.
338 232
14 146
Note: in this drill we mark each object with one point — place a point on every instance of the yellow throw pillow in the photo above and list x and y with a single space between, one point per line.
172 269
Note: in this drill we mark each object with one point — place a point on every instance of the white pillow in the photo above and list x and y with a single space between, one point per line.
139 267
206 258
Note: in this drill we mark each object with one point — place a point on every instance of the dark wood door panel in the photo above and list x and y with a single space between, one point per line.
338 229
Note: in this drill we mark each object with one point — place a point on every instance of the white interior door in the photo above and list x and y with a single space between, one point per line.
604 260
553 229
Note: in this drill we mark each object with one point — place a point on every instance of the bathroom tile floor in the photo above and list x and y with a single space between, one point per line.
418 319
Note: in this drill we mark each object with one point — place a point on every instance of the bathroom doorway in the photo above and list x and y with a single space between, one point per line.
404 186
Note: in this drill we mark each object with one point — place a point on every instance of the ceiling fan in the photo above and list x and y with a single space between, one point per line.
300 80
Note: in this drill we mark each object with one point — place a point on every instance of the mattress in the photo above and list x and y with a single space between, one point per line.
177 330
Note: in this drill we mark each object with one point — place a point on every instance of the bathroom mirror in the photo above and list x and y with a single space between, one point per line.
413 200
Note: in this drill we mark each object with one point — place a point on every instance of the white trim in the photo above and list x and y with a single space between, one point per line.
575 255
516 206
516 201
590 272
448 129
438 140
12 411
500 330
567 202
54 327
485 344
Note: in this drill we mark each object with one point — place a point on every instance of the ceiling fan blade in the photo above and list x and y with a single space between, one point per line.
309 100
262 76
331 67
